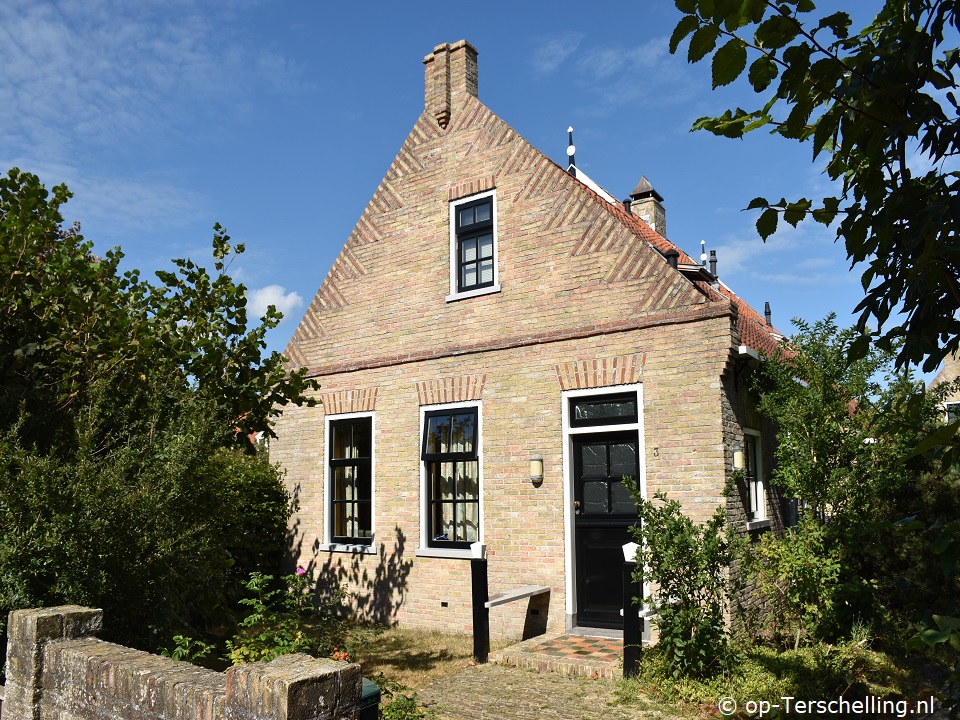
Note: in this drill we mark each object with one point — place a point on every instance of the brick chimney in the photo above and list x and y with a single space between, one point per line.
646 203
450 74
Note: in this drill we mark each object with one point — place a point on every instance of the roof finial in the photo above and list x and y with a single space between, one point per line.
571 149
703 253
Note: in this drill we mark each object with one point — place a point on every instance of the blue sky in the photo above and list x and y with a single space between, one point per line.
278 119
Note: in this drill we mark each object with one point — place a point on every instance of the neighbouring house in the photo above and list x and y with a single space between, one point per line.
500 343
949 373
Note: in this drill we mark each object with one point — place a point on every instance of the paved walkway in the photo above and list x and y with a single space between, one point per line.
497 692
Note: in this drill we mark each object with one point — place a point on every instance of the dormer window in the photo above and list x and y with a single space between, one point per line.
473 246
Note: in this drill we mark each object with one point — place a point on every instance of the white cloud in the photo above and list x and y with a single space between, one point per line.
553 52
602 63
109 73
804 255
619 75
286 302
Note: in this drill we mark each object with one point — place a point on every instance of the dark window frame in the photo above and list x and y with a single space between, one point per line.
474 231
753 477
362 473
432 464
628 397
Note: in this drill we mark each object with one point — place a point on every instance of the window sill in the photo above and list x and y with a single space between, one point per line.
457 554
758 525
344 548
473 293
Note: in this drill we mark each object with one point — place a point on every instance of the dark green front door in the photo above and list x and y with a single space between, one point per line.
605 511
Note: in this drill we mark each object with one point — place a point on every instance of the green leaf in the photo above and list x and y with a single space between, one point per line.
762 72
687 24
839 24
767 223
752 11
686 6
947 623
757 203
729 62
776 31
702 42
795 212
941 437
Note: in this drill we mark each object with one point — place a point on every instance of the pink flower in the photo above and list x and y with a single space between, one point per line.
301 571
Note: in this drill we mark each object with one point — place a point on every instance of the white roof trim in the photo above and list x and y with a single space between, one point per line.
582 177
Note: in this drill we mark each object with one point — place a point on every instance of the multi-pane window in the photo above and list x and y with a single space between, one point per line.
452 470
474 232
953 411
753 475
350 486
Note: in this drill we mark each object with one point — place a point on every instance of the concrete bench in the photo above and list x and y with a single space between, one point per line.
524 591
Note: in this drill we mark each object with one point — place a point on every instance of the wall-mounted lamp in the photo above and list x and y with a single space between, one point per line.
737 456
536 470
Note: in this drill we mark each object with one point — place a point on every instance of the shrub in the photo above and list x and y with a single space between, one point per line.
688 564
141 512
283 619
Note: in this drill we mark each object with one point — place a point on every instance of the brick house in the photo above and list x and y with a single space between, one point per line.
492 314
949 373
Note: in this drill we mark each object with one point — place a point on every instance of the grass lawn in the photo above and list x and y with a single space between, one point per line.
411 656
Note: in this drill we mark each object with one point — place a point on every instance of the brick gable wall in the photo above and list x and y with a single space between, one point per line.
585 302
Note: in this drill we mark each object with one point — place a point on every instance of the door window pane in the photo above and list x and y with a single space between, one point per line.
623 460
622 499
594 461
595 497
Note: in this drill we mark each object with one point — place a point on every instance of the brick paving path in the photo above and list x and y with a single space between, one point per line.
496 692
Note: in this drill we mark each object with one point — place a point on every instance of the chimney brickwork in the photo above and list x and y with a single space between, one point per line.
646 203
450 73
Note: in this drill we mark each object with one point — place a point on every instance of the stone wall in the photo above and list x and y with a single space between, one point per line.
57 668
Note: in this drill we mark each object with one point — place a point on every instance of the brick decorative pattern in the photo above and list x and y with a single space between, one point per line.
572 655
472 187
57 668
450 390
349 401
602 372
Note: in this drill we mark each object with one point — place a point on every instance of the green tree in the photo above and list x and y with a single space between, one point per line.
846 431
866 101
69 319
126 477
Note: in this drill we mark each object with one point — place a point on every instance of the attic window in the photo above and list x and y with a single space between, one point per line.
473 246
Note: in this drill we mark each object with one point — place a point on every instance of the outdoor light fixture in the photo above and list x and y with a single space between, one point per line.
536 470
737 456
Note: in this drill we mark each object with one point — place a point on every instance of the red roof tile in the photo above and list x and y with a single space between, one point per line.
751 325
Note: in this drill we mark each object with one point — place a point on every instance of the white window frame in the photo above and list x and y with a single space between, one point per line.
424 549
455 294
328 545
756 489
